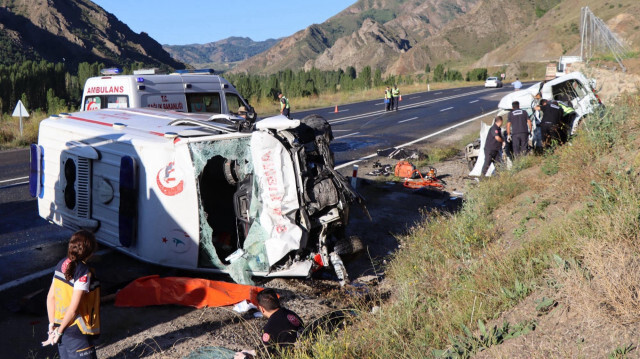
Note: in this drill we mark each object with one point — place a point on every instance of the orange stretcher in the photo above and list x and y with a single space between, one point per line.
193 292
430 181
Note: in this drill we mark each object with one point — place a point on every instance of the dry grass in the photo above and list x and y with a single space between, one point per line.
10 130
453 270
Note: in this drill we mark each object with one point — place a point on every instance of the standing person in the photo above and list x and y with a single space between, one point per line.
283 327
73 302
550 122
492 146
518 128
285 109
395 97
517 85
568 116
388 102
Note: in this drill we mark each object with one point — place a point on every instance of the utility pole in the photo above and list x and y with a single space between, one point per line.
596 36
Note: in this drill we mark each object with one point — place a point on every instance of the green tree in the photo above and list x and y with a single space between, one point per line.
427 69
365 77
438 73
377 78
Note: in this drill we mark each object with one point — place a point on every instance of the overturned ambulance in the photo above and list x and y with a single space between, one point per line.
191 191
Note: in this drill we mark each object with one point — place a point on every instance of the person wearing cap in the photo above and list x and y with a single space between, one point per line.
285 108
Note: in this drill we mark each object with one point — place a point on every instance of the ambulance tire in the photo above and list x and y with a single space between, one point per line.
346 247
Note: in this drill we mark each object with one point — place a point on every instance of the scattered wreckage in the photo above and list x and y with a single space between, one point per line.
573 89
192 191
413 178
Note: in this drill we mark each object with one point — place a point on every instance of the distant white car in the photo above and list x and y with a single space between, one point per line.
493 82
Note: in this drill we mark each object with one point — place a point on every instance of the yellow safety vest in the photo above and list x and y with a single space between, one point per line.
387 93
395 92
88 313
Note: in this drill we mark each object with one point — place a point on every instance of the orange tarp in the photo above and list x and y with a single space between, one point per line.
194 292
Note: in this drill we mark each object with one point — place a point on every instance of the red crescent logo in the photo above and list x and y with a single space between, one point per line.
169 190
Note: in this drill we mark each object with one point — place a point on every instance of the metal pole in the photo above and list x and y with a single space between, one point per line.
20 109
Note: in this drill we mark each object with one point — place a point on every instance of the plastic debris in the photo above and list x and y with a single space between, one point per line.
244 307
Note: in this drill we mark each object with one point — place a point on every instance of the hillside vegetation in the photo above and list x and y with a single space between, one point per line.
73 31
539 263
219 55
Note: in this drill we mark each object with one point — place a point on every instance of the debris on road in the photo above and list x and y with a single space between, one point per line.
401 153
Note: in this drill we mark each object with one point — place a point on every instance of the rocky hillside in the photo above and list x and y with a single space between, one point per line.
402 37
220 53
73 31
557 32
369 32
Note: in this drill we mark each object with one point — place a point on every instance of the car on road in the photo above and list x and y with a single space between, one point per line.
190 191
493 82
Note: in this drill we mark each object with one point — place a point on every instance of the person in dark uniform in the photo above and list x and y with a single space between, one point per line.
283 327
550 122
518 128
492 146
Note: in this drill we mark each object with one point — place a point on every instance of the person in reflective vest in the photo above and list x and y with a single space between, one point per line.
73 301
395 96
284 106
568 115
388 99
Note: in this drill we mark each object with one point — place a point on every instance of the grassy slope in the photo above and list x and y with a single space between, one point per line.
564 224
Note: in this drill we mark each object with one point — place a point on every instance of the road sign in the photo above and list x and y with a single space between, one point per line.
21 112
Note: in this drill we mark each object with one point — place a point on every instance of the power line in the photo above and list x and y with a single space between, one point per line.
596 36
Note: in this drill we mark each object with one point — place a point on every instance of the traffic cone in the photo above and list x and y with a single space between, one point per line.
336 110
400 99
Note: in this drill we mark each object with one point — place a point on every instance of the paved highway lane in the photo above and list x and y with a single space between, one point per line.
29 244
362 128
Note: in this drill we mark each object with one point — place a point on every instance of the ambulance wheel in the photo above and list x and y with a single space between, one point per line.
472 163
352 245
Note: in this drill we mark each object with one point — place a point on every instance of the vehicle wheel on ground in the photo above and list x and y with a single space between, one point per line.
472 163
349 246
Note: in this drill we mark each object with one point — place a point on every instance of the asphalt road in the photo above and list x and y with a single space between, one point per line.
29 244
362 128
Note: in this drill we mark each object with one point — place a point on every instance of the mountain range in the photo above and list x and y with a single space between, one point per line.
401 37
220 55
73 31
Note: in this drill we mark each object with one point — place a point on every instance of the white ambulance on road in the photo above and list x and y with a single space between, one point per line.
183 91
185 191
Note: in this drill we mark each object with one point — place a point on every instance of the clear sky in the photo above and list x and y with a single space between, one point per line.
172 22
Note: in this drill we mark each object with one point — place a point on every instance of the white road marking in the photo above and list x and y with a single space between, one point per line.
411 98
378 104
474 101
456 90
339 111
413 105
410 119
349 135
418 140
14 185
44 272
446 109
15 179
437 93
